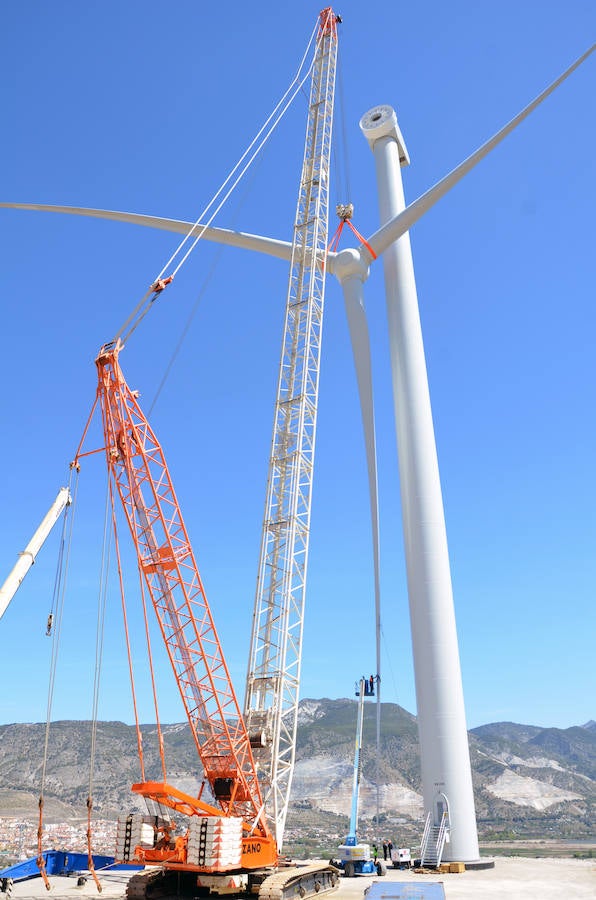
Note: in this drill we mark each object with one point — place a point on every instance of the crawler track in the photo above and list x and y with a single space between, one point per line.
291 883
300 883
151 883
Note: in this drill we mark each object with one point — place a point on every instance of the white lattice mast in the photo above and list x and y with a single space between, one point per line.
272 684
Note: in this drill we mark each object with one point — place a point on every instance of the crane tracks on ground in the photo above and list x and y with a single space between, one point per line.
147 884
300 883
292 883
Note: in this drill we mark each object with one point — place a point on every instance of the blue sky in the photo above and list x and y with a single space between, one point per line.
145 108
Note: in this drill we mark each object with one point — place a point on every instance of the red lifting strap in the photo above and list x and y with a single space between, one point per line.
362 239
335 239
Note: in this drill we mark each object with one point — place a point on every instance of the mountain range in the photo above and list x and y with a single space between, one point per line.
528 781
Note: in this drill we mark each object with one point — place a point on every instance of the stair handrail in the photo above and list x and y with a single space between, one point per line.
441 837
425 834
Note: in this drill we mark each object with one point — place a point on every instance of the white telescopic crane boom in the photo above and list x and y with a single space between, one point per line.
27 557
272 685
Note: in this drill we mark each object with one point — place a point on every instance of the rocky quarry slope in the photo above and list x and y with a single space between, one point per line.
528 781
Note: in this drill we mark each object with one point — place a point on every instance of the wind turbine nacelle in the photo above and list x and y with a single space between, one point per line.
381 122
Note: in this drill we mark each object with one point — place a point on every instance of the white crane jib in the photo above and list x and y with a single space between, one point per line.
27 556
273 678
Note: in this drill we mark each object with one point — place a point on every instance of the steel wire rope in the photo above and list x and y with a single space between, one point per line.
394 681
58 605
160 739
341 159
147 643
100 630
161 743
392 673
245 154
186 328
199 297
60 589
99 641
152 294
157 285
58 575
126 631
341 162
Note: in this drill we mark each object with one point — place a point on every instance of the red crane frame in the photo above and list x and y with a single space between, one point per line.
138 467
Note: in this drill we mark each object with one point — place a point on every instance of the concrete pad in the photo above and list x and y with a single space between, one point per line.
516 878
511 877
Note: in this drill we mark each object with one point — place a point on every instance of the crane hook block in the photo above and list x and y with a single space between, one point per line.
345 211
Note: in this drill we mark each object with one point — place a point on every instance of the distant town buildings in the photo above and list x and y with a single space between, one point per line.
18 838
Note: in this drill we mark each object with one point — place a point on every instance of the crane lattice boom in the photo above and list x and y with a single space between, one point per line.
271 703
166 560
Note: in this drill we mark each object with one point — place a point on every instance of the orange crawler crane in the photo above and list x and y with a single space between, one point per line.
227 847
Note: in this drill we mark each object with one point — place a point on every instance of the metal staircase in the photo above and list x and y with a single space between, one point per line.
433 841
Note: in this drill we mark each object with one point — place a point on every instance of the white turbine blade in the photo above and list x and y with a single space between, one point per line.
353 291
401 223
269 246
356 313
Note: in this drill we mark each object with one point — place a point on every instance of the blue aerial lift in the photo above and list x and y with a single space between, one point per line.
356 858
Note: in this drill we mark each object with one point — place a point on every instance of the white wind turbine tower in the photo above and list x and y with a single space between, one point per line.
445 761
446 774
